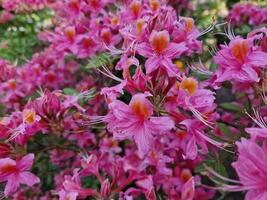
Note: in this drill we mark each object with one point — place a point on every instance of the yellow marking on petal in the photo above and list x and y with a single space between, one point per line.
135 7
240 50
12 84
189 84
189 24
154 4
179 64
139 26
29 116
160 41
140 109
70 33
115 20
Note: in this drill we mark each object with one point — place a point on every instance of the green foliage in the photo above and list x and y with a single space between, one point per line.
19 36
102 59
226 130
230 107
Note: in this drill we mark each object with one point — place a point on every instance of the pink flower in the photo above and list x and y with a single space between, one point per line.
239 61
135 121
160 52
147 186
16 172
188 190
251 168
73 185
63 195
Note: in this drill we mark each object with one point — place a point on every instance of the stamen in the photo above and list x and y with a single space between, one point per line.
220 176
200 69
201 118
257 119
108 73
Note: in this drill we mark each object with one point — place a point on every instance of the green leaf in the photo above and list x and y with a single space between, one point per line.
70 91
99 60
226 130
230 107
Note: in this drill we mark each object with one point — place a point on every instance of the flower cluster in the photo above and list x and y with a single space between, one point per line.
242 13
114 106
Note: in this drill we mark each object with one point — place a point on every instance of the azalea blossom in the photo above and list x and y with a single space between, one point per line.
160 51
16 172
136 121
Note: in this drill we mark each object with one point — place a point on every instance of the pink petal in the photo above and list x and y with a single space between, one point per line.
257 132
145 50
256 195
28 178
258 58
247 74
143 140
161 124
152 64
171 68
11 186
26 162
191 149
174 50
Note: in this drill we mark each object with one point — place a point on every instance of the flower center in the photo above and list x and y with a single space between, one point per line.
189 22
141 106
75 5
159 40
140 109
29 116
240 50
87 43
12 84
70 33
154 4
8 168
139 26
106 36
135 7
189 84
115 20
94 3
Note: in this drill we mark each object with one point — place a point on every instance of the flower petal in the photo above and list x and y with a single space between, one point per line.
175 50
26 162
11 186
144 49
28 178
152 64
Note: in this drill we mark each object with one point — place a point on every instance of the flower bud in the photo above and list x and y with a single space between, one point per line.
105 188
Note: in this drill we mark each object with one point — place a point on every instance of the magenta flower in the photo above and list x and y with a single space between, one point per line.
135 121
251 168
16 173
160 52
239 61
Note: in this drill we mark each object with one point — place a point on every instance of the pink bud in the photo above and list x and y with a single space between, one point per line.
105 188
